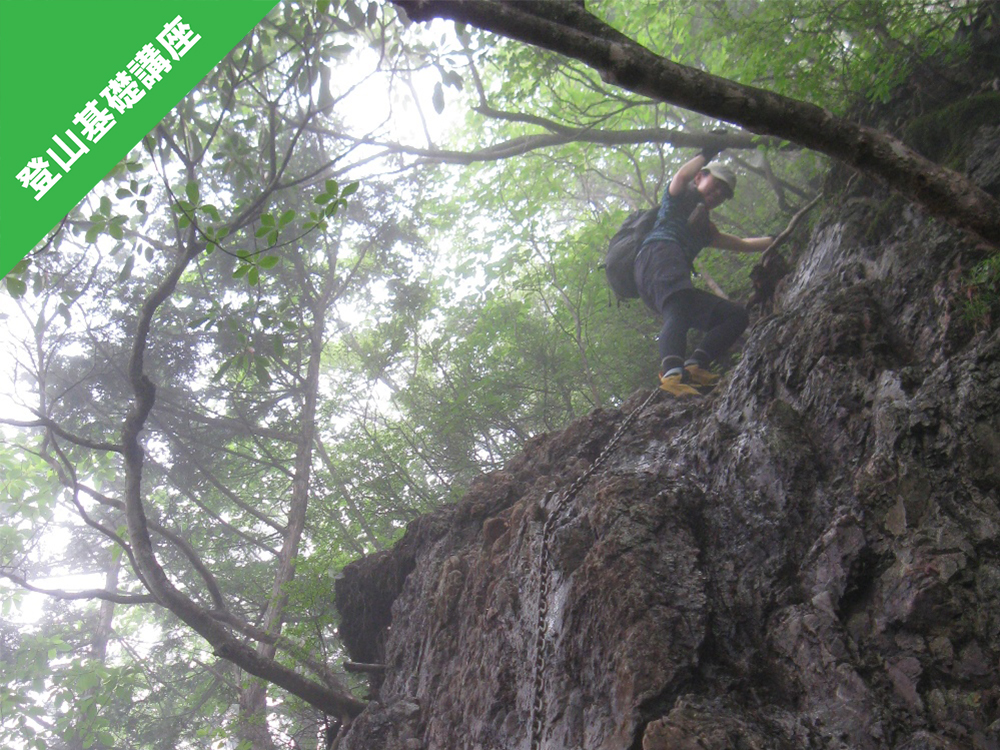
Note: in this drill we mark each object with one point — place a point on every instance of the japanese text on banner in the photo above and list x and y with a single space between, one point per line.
123 92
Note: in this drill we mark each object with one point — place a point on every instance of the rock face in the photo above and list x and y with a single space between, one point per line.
807 558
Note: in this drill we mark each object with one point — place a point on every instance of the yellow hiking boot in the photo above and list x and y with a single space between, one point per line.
698 375
675 386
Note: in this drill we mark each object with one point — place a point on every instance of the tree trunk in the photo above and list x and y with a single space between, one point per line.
99 642
567 29
102 634
253 698
252 729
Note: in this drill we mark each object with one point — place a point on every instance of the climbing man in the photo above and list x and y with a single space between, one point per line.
663 270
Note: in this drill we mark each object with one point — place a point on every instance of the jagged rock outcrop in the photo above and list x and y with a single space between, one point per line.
807 558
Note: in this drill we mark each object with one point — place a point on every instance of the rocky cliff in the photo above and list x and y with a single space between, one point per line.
807 558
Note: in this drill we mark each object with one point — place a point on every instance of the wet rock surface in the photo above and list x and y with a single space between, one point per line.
807 558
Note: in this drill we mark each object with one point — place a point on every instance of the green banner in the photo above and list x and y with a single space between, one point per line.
81 83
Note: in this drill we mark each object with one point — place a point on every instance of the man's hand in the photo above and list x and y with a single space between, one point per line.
711 152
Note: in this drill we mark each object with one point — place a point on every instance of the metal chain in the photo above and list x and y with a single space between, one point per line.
538 702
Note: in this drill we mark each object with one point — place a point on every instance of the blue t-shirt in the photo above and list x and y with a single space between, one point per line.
683 220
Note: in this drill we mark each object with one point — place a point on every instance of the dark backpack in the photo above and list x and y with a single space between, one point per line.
619 263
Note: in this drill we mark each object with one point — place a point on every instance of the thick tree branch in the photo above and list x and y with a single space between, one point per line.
285 643
567 29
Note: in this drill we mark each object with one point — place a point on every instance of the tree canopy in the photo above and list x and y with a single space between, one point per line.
355 268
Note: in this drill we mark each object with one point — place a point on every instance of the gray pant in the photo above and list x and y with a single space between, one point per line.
723 322
663 277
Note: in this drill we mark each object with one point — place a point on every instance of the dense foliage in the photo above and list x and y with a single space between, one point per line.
385 242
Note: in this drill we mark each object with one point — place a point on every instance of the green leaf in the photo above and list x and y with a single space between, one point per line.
452 78
126 271
88 680
105 205
15 286
354 14
211 211
269 262
437 99
331 187
224 369
191 191
262 231
241 270
123 193
262 374
285 218
350 189
253 276
267 220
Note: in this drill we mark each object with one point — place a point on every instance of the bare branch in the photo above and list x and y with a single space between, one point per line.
526 144
101 594
48 424
793 222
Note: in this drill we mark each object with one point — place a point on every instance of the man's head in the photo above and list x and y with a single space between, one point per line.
716 184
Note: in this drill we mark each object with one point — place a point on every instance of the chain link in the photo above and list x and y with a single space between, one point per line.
541 647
